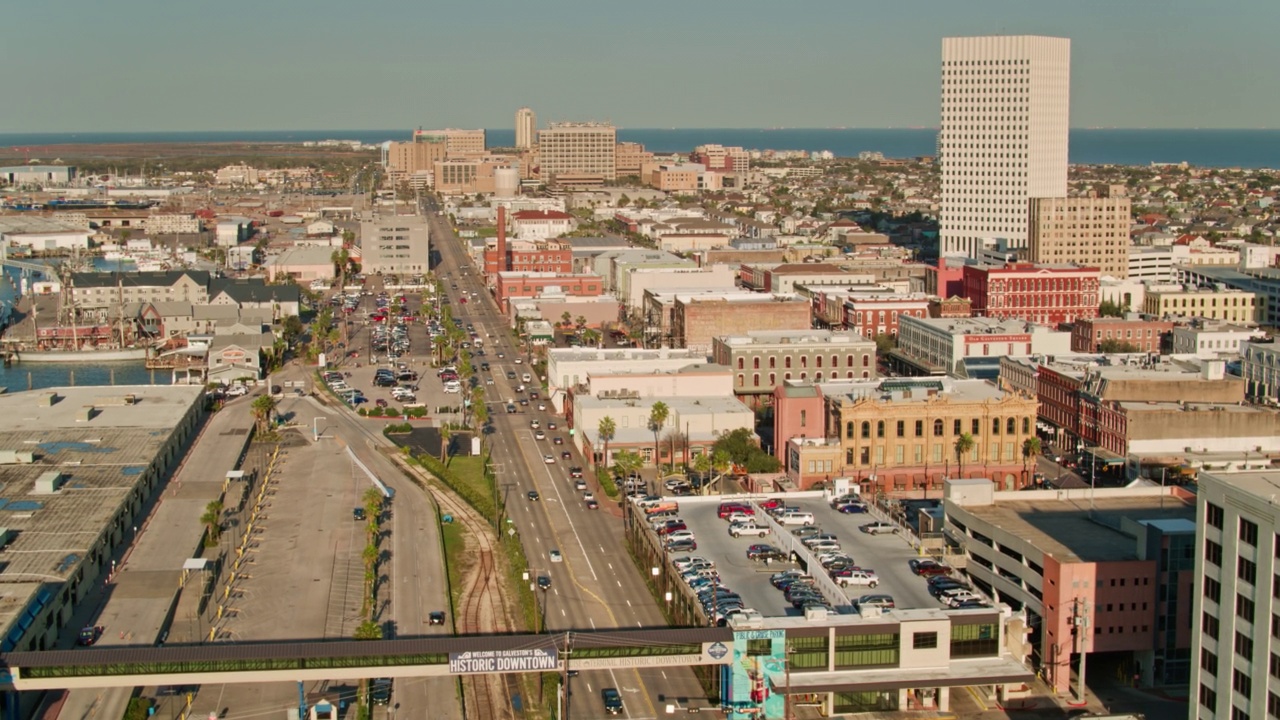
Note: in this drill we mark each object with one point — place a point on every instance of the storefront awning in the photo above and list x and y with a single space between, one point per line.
1105 456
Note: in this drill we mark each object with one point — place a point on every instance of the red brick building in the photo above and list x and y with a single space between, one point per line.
531 285
550 256
1145 335
1045 294
874 315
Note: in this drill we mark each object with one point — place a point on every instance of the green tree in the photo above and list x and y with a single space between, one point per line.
963 446
741 449
658 416
446 438
263 406
1115 345
1109 308
212 521
884 343
626 462
368 630
606 430
1030 449
292 329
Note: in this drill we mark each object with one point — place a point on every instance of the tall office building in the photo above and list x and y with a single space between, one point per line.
1091 230
1005 104
458 143
578 150
1234 665
526 127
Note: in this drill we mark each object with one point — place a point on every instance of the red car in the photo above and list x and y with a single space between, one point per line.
668 529
770 504
927 568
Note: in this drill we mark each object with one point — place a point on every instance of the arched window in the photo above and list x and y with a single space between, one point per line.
995 426
866 429
937 428
849 361
742 363
848 456
804 418
742 379
787 362
818 361
804 376
835 361
1011 427
865 375
850 374
773 379
848 429
879 428
817 377
755 379
773 362
755 363
866 360
787 376
1026 425
804 361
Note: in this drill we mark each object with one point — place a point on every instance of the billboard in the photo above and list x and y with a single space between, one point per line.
498 661
759 660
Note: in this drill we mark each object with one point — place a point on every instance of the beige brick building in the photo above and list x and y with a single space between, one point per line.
578 149
696 321
1091 231
1227 304
629 158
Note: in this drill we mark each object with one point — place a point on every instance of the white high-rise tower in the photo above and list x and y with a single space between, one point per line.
526 128
1005 117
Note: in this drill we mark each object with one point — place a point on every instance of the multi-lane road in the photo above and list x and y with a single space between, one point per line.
595 585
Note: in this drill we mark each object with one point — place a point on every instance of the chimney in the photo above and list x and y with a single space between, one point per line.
502 239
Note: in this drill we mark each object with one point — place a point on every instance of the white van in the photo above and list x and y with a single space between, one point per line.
453 387
796 518
526 378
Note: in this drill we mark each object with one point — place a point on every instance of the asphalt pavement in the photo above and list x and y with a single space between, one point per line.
595 585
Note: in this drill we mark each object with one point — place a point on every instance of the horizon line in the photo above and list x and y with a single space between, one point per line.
664 129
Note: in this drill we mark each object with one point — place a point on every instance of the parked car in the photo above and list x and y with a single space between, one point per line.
928 567
858 577
748 528
879 601
796 518
879 527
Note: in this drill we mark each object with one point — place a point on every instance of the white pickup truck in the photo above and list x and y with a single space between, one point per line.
858 577
748 527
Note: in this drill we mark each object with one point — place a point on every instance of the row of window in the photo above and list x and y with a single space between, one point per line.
817 377
939 427
804 360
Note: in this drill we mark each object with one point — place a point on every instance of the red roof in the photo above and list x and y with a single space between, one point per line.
541 215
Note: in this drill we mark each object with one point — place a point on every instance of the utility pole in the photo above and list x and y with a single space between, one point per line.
1081 608
564 682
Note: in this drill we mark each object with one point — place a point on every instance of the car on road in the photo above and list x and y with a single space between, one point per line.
552 425
539 435
544 582
89 635
542 407
575 472
555 556
435 617
357 514
557 440
236 391
534 424
510 375
565 454
549 459
592 504
533 496
926 567
879 527
588 495
612 700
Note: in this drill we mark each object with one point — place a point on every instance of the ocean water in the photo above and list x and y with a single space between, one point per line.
1205 148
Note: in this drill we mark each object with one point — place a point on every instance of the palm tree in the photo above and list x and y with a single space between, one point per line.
626 462
964 446
212 520
446 435
721 463
606 430
263 406
1030 448
658 416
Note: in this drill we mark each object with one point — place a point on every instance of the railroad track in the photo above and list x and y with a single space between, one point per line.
482 610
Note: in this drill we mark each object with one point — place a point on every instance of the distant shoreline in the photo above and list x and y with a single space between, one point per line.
1218 148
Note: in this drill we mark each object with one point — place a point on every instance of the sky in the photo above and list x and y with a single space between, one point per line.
149 65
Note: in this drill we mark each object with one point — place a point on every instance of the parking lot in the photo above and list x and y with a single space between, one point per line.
887 554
